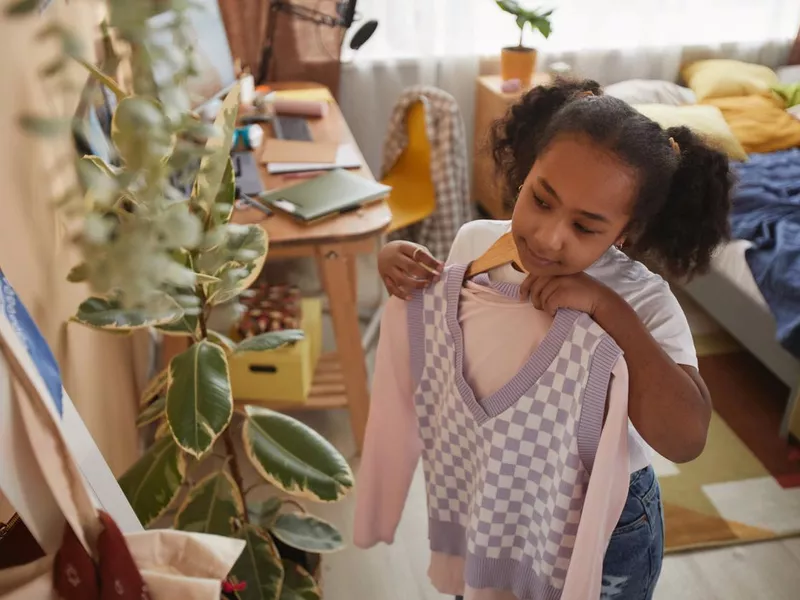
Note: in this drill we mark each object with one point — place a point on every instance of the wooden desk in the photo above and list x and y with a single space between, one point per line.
491 103
334 244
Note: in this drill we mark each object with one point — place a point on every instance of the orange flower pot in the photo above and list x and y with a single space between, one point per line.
518 62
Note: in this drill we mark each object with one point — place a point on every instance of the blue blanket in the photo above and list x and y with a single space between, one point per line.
766 211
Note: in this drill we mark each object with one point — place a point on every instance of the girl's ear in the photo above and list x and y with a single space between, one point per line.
620 243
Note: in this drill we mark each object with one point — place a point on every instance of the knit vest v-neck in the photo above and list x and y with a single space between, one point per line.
506 475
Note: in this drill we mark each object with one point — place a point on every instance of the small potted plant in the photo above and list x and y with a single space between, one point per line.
519 62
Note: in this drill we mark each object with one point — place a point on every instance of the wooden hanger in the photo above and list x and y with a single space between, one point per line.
502 252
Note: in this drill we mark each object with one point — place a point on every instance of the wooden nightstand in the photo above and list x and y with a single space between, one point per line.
491 104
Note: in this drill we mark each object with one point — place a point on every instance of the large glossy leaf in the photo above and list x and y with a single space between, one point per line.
199 401
307 532
214 505
213 164
185 325
270 341
247 246
298 584
226 196
265 513
101 313
152 483
221 340
294 457
259 566
152 412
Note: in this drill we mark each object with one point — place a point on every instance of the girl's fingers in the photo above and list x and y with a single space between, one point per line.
419 254
525 288
404 280
413 269
536 291
395 290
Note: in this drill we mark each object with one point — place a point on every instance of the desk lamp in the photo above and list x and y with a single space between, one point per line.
345 15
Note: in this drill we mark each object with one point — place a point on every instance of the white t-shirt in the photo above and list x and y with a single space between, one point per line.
648 294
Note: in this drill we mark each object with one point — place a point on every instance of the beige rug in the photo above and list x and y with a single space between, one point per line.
746 485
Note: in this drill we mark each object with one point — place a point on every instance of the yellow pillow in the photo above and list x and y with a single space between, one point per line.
760 122
705 121
719 78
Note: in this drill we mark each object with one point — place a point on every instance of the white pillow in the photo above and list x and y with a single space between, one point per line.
651 91
790 74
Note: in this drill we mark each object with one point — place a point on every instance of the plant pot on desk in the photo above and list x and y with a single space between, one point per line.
518 62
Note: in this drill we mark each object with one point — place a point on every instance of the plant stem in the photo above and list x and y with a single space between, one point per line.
521 33
235 470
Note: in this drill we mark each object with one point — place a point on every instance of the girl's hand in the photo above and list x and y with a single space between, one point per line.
579 292
404 266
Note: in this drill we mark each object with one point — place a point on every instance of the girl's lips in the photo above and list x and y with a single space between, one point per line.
537 258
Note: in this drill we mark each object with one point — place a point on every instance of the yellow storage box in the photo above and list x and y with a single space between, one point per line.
284 375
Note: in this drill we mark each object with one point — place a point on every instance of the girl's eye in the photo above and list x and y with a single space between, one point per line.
583 229
539 202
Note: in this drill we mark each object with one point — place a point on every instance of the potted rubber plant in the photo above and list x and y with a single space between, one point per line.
159 251
519 62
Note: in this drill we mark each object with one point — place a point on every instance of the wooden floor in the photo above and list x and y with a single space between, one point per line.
768 571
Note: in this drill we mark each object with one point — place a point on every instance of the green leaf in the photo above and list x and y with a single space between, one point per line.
78 273
221 340
214 506
226 196
155 388
270 340
298 584
44 126
307 533
199 400
152 412
185 325
22 7
101 165
202 278
101 313
213 165
266 512
236 276
259 566
509 6
152 483
104 79
294 457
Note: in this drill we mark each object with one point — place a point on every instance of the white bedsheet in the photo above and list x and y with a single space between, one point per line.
730 262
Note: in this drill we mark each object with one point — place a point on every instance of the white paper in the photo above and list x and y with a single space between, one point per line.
346 158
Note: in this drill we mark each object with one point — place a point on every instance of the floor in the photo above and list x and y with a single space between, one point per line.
769 571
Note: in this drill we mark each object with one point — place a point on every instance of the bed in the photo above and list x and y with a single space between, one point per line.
730 293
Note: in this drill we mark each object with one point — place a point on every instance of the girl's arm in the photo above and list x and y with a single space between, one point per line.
669 404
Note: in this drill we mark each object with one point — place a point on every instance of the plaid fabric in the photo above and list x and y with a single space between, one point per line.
507 475
446 135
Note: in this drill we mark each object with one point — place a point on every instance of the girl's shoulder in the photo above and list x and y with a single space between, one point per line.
475 238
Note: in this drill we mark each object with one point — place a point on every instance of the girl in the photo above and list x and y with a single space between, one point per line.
591 175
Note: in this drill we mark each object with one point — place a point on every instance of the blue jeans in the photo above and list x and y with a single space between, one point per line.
633 558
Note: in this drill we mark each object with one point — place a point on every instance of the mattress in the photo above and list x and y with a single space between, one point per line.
729 261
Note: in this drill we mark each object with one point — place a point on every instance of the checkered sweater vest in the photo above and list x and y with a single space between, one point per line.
506 475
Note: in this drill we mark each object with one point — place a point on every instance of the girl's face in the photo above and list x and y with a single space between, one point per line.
574 204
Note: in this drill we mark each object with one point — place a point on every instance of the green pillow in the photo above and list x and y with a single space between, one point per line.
789 92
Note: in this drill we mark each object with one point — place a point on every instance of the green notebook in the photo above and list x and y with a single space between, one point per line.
335 192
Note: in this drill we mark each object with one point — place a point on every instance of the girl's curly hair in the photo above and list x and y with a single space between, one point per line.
681 210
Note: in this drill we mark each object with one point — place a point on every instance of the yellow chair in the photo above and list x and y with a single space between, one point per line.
413 197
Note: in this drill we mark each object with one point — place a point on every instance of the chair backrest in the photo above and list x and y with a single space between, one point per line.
413 197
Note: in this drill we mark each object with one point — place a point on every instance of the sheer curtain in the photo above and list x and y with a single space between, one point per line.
447 43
